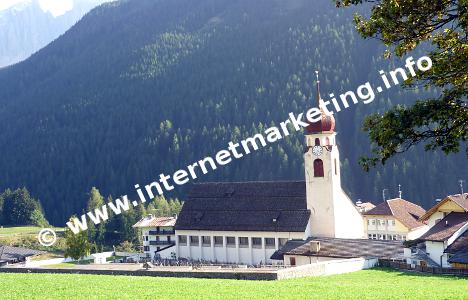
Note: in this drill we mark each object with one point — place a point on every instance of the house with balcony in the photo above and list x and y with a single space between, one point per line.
158 236
395 219
446 242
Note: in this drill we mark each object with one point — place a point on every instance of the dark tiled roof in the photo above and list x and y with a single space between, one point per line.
460 199
404 211
446 227
16 254
460 244
459 257
246 206
342 248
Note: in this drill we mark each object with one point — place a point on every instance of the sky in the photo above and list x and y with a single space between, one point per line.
55 7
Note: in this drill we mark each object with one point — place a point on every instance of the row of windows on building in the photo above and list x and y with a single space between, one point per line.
218 241
380 222
158 238
389 237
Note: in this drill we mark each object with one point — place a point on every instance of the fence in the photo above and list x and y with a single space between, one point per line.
417 268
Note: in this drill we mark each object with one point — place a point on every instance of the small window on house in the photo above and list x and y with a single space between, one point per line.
257 242
206 241
243 242
373 222
318 168
146 248
282 241
269 242
194 240
292 261
231 241
182 239
317 142
369 236
169 238
146 238
218 240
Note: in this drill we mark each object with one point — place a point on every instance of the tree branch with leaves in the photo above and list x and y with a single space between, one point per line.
438 123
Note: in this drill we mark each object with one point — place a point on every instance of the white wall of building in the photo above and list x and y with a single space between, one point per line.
435 250
235 253
333 214
417 232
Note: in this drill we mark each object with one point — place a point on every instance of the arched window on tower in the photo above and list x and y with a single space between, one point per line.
318 168
317 142
327 141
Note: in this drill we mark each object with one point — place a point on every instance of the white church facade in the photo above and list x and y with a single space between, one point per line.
246 222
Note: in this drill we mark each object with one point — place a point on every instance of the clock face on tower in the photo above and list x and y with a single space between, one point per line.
317 150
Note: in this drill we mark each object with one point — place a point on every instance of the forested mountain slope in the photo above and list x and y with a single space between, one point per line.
141 87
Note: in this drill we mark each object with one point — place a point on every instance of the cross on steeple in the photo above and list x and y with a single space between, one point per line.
318 88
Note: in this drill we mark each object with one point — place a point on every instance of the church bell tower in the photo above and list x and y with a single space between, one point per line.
333 214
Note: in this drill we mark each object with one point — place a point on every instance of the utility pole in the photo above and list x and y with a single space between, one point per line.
383 194
460 181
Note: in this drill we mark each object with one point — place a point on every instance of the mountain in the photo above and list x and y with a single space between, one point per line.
141 87
26 27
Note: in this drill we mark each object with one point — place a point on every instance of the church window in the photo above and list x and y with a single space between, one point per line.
318 168
269 242
218 240
230 240
243 242
317 142
257 242
194 240
327 141
206 241
182 240
336 170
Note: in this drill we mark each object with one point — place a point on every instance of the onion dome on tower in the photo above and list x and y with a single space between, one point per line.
326 122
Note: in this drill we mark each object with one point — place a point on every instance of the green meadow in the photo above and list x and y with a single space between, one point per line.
369 284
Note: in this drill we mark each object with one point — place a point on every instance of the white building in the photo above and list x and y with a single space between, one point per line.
158 236
395 219
245 222
447 236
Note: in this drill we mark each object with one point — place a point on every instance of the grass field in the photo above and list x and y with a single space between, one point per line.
19 230
26 236
368 284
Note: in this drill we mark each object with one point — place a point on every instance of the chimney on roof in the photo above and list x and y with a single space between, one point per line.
314 246
446 223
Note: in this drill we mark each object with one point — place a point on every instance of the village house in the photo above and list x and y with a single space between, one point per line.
395 219
158 236
445 242
364 206
247 222
320 249
12 255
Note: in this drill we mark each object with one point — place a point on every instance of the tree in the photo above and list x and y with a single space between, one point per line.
438 123
96 234
19 208
77 245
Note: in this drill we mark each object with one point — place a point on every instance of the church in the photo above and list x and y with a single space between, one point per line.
247 222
